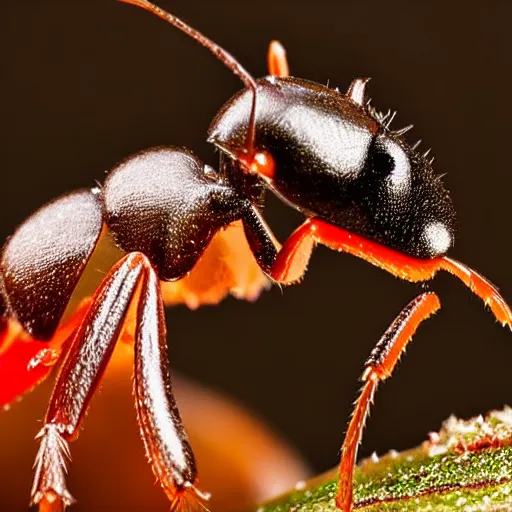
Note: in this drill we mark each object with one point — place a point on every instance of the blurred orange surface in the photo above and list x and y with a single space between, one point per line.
240 460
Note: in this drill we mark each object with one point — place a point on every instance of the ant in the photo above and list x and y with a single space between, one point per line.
362 188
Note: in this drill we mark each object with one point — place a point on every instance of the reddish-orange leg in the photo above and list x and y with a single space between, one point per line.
276 60
379 367
291 262
287 265
131 281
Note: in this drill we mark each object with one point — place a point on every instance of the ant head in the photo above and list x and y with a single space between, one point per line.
330 155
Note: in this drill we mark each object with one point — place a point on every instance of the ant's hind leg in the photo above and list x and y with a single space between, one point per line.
379 367
163 434
131 282
90 350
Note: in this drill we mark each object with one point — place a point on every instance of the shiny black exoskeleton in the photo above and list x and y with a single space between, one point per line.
336 160
166 204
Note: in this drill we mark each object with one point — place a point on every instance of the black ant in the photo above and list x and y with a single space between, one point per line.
362 188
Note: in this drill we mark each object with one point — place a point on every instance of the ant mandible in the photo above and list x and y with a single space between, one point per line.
362 188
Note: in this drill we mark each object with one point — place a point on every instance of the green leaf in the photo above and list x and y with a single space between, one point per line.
467 466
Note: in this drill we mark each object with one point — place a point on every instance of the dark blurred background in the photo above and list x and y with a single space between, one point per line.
86 83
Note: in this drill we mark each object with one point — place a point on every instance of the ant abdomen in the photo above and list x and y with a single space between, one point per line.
41 263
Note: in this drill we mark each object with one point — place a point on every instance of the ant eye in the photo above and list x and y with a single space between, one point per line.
382 161
392 163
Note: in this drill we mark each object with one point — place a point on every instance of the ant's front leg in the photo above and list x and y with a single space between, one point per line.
287 264
379 367
131 281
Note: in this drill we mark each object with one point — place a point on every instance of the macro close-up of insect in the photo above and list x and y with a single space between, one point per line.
359 186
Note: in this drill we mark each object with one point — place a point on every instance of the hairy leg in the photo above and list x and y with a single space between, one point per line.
131 281
378 368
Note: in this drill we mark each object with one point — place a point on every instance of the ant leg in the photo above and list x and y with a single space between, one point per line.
284 264
132 282
292 260
90 350
165 440
379 367
288 263
276 60
481 287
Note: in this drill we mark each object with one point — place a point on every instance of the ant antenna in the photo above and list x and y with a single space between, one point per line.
226 58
